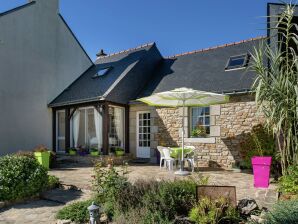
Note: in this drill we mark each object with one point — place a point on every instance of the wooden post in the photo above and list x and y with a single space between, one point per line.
105 128
126 129
54 129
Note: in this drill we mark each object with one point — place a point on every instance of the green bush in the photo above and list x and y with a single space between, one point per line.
170 198
21 176
218 211
77 212
53 182
289 182
161 200
259 142
283 212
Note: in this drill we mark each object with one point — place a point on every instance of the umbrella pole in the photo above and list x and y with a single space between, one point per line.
181 171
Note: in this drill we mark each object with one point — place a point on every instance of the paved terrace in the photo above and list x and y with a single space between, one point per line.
43 211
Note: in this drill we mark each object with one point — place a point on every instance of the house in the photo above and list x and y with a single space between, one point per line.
99 109
39 58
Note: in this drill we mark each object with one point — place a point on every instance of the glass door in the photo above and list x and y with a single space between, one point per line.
60 131
143 134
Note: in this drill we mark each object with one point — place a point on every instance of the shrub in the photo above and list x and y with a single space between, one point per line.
161 200
170 198
21 176
283 212
218 211
77 212
108 183
25 153
259 142
289 182
53 182
41 148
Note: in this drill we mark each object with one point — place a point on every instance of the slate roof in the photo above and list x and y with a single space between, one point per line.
142 71
204 70
122 83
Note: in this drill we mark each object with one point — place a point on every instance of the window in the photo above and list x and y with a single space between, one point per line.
200 121
116 128
87 128
236 62
102 71
60 131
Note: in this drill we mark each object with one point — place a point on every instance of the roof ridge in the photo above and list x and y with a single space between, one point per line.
216 47
127 50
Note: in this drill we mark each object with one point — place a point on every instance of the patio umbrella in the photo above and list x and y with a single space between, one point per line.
184 97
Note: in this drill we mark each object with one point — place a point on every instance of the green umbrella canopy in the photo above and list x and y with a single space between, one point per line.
184 97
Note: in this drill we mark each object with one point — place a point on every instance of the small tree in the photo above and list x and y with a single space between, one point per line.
276 86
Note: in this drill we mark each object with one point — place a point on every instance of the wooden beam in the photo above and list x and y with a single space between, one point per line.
67 129
105 128
126 129
54 130
72 112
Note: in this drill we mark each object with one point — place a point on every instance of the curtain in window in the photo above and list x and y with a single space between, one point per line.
119 121
98 127
76 127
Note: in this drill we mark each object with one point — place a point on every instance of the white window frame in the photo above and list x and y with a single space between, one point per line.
124 120
204 116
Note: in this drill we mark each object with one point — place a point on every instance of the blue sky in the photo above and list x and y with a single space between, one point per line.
175 25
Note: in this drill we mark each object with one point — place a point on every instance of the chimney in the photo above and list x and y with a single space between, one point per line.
49 4
101 54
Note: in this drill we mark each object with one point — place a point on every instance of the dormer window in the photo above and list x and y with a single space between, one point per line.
102 72
237 62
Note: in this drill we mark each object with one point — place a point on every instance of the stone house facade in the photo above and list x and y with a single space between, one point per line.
229 123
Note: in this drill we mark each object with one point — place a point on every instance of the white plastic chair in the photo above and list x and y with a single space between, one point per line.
169 161
190 157
162 157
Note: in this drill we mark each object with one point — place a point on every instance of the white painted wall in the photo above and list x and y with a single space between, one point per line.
39 58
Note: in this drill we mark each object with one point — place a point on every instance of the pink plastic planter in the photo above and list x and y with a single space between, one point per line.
261 170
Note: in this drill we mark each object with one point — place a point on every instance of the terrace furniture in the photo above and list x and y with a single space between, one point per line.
162 157
176 152
169 161
188 155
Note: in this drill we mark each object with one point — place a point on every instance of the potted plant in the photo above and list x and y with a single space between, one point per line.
94 152
198 131
72 151
42 154
119 151
82 151
258 149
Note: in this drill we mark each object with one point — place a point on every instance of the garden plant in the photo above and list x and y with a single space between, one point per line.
276 86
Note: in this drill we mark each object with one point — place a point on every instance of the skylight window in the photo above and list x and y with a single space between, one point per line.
237 62
102 72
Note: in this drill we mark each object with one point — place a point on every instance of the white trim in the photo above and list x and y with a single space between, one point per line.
137 134
210 140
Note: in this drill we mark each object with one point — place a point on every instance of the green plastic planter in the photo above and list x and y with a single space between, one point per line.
94 153
43 158
72 152
119 153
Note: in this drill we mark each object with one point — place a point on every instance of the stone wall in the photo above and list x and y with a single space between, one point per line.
229 124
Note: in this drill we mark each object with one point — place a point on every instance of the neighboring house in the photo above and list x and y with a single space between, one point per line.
39 58
99 109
